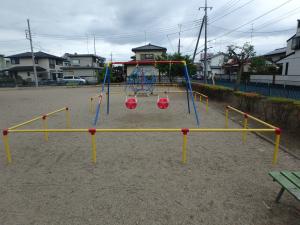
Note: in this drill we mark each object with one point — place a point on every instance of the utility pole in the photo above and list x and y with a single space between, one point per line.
111 56
179 38
196 47
32 54
145 37
94 45
205 41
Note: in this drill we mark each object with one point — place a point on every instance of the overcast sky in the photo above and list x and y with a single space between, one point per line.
118 26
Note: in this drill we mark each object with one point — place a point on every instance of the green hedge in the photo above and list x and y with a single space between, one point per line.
213 91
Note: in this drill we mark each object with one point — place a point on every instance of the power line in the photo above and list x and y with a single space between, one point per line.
234 10
256 18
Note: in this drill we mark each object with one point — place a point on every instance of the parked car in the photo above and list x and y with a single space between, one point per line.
74 79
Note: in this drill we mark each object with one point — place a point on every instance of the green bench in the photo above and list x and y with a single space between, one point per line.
289 181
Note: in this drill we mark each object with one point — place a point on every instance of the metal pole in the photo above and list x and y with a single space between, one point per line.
195 51
32 55
205 44
179 39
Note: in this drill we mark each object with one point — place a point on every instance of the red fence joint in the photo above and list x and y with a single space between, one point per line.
92 131
185 131
245 115
5 132
44 117
277 131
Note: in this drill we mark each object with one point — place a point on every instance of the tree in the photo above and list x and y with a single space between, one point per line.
175 69
258 65
240 55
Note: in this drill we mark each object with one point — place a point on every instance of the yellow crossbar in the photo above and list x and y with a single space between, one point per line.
252 117
129 130
35 119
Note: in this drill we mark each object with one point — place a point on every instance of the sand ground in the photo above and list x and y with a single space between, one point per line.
138 178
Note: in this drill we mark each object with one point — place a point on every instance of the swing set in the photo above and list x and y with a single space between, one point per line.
137 84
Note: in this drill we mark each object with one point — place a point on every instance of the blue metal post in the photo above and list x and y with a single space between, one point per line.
108 83
189 86
102 91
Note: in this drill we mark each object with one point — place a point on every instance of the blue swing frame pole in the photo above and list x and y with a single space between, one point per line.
108 85
97 116
190 92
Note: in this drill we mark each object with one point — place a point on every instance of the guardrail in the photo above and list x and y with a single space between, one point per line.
93 131
183 131
44 117
246 116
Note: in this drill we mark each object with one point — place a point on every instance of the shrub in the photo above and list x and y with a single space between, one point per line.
279 109
248 100
213 91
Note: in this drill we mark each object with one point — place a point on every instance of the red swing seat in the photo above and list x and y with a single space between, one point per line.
163 103
131 103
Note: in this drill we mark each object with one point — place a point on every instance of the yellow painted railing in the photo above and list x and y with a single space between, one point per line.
246 116
44 118
93 131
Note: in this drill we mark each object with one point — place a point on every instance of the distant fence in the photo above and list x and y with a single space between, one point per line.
267 89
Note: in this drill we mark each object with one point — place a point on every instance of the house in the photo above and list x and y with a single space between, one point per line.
275 55
215 63
2 63
291 61
87 66
231 68
146 52
47 66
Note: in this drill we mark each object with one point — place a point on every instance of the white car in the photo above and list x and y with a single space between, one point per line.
74 79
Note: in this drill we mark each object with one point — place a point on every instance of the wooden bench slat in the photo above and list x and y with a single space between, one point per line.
297 174
292 177
286 183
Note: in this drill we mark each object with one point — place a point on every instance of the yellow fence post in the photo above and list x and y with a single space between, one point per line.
195 96
245 127
92 131
6 145
206 105
91 106
226 116
68 119
276 147
200 98
45 125
184 132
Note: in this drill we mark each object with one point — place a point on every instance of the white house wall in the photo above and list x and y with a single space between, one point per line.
155 53
279 79
87 74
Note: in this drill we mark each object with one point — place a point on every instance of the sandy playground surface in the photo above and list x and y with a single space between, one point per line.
138 178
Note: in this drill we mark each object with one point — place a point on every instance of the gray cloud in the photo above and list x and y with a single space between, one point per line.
69 26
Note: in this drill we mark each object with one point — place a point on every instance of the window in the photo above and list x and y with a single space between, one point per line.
36 61
296 43
59 62
28 74
52 63
15 61
147 56
76 62
286 68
